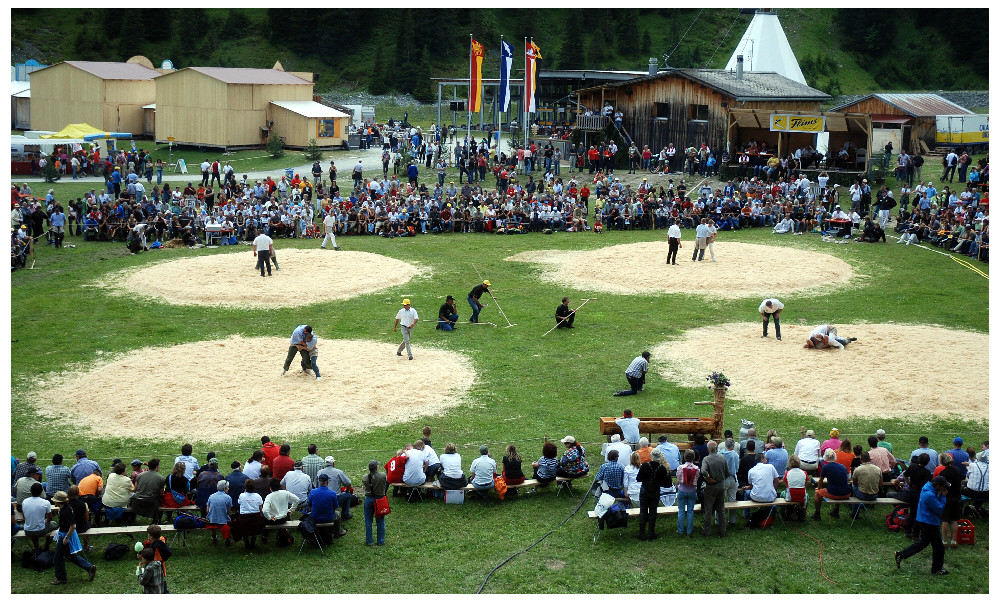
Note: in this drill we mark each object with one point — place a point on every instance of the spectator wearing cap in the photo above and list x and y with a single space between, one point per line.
628 423
25 468
324 507
22 488
978 480
137 470
484 470
218 506
833 442
960 456
808 450
929 508
447 315
206 484
573 462
312 464
926 449
190 462
83 468
297 482
880 434
68 541
57 476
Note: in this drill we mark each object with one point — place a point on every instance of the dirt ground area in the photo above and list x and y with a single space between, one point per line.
306 276
741 269
232 388
892 370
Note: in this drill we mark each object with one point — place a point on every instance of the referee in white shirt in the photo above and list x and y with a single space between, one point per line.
767 309
674 242
407 318
636 375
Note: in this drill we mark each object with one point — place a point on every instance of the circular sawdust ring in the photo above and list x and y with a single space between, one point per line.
892 370
233 388
742 270
305 276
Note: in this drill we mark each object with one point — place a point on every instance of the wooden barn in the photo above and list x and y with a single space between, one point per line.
690 106
298 121
109 96
903 118
20 105
223 107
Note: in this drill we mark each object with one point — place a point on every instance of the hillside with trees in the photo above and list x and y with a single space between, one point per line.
840 51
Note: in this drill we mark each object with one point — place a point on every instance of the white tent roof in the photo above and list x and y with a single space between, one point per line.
765 48
309 108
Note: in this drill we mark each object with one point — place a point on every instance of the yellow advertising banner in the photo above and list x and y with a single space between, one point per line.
797 123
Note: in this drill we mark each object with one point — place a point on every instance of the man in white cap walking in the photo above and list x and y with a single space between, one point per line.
407 319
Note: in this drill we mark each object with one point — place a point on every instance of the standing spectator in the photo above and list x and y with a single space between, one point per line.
654 476
929 508
715 472
150 573
68 542
375 488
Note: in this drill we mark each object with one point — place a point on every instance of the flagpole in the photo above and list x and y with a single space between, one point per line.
499 91
468 108
524 123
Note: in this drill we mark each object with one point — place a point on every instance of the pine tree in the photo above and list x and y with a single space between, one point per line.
313 152
275 145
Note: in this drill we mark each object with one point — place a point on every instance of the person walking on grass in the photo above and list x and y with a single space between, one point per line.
929 509
406 318
68 544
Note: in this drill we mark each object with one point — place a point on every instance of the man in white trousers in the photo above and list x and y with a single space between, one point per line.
407 319
330 225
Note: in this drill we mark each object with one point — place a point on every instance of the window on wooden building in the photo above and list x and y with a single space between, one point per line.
326 129
663 110
698 112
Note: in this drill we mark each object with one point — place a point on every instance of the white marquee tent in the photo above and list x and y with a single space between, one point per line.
765 48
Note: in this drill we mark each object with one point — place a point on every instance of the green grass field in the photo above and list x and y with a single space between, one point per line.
528 387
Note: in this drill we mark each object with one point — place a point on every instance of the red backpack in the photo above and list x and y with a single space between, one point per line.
896 519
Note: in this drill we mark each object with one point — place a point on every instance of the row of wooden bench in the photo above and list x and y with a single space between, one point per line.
561 482
750 504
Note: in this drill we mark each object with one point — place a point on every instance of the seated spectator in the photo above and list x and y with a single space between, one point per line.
236 479
339 483
91 489
611 477
116 495
177 488
845 455
148 494
834 475
547 467
763 482
630 484
250 522
484 470
206 483
866 481
56 476
298 483
513 474
670 452
38 516
807 450
217 507
573 462
324 507
452 476
624 449
795 482
777 456
881 457
629 426
644 449
277 509
432 463
978 481
416 464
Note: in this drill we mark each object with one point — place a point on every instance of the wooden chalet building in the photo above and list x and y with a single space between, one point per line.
690 106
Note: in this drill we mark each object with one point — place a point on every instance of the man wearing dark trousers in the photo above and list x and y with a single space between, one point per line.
673 241
929 509
771 308
298 344
636 375
564 316
715 471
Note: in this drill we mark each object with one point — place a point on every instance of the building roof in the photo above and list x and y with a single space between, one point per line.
587 74
764 47
755 85
150 106
238 75
18 88
309 108
107 70
917 104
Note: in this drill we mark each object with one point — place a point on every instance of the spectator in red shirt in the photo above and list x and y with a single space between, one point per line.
269 449
283 463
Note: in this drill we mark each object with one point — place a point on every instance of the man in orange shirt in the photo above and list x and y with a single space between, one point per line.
91 489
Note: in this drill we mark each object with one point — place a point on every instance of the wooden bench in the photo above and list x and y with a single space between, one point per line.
560 481
742 505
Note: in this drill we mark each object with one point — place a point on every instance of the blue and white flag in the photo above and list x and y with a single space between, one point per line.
506 59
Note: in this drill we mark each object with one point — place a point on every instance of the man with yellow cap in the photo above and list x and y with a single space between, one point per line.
474 302
407 318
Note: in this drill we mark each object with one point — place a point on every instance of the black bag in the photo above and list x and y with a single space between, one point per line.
114 551
285 538
615 517
40 560
760 519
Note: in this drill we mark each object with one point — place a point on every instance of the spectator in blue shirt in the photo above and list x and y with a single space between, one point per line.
237 482
83 468
960 456
837 485
219 504
324 508
56 476
777 456
925 449
613 475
